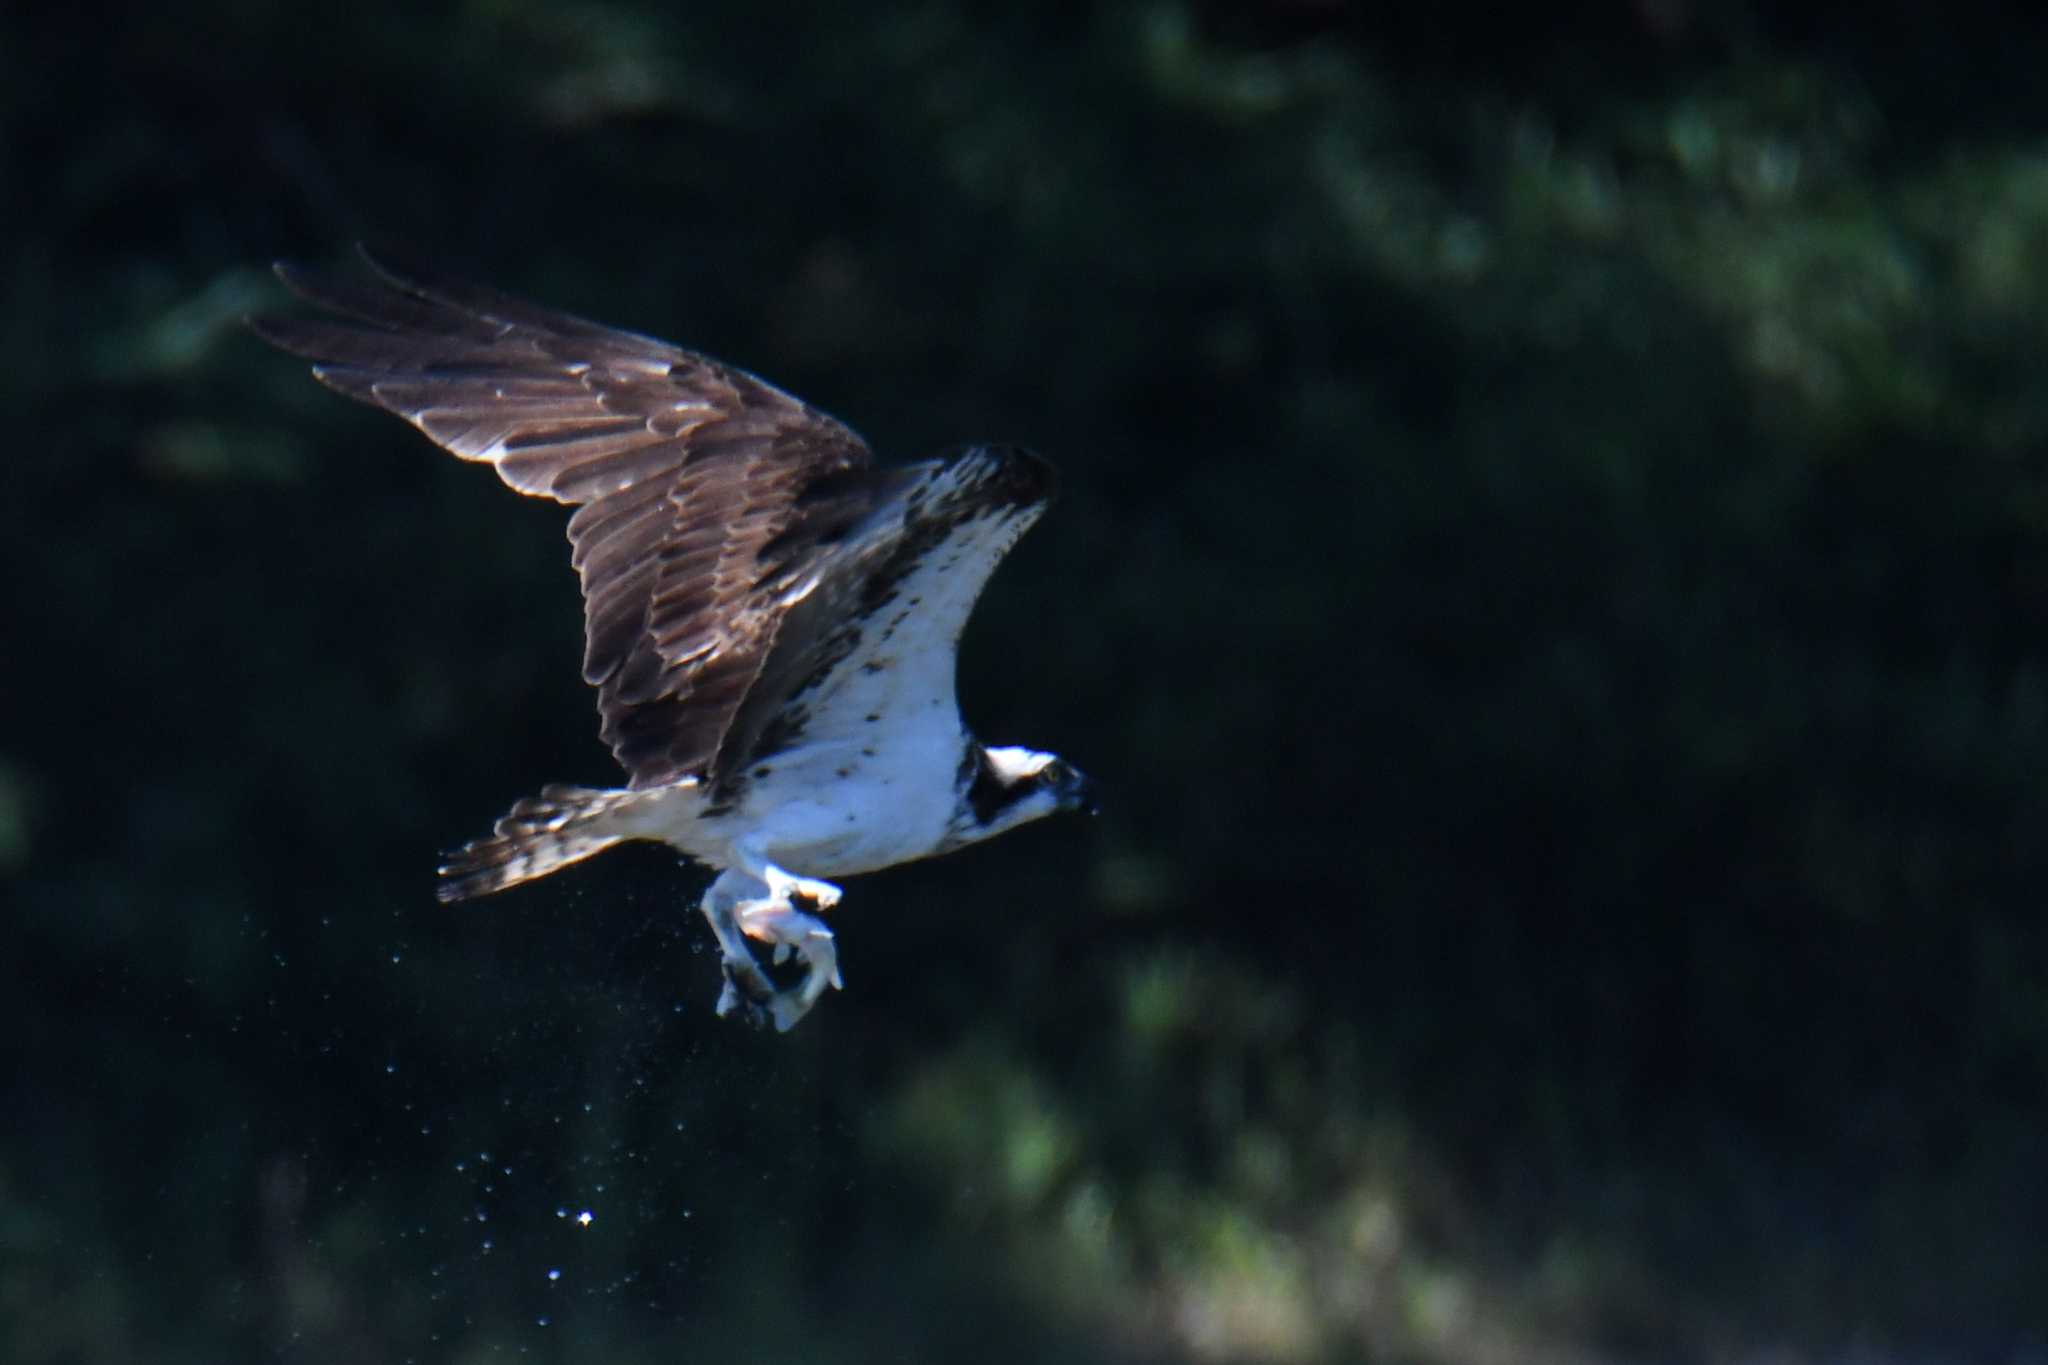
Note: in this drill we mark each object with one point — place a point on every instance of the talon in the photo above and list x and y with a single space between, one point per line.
786 1009
730 1000
828 951
777 921
746 990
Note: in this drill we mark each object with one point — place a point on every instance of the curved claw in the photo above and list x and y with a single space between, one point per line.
778 921
820 956
746 990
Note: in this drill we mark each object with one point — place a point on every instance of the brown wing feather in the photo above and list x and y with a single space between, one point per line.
703 494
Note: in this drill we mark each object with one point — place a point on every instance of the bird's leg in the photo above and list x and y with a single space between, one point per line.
791 929
785 888
776 919
747 987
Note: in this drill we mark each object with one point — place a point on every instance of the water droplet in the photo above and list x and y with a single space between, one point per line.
554 1275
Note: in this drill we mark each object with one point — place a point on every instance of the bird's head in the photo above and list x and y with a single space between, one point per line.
1005 787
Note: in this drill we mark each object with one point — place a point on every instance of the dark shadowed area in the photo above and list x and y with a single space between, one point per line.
1551 575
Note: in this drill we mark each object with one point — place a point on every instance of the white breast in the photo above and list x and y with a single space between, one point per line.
871 776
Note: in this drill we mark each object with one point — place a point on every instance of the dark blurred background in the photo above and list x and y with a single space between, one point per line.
1552 575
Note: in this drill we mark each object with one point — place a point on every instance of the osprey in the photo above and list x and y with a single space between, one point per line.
771 620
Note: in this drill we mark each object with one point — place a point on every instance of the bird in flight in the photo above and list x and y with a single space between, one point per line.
771 620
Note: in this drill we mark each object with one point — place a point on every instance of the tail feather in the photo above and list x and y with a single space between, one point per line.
562 825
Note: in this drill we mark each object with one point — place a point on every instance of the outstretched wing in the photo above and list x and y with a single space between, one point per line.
865 662
705 497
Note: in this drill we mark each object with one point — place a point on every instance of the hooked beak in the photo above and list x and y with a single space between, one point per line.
1077 792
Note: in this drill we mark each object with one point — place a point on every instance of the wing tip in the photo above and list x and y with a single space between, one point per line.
265 327
406 270
310 283
399 269
301 337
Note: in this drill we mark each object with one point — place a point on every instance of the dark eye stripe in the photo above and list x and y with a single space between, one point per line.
986 794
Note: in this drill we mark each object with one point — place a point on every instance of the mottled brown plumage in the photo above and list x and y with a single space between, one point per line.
703 494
